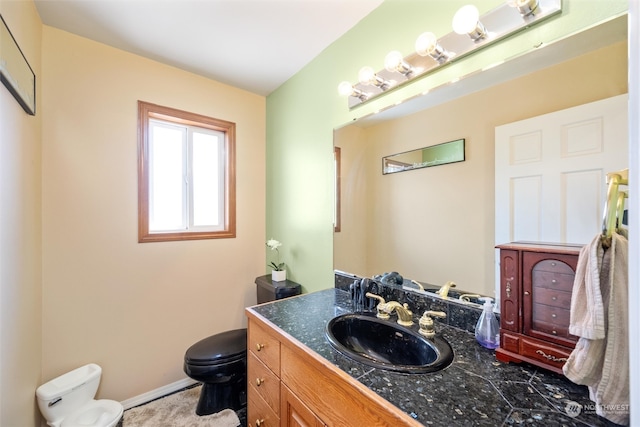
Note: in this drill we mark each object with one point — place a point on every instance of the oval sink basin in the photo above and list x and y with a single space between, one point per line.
386 345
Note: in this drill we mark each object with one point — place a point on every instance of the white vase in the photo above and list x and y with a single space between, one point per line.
278 276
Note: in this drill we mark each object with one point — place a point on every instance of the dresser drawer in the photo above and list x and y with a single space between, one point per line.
264 382
259 413
554 267
547 279
551 355
265 347
551 320
552 297
510 342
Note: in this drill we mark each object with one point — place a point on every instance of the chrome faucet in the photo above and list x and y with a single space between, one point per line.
444 290
405 316
426 323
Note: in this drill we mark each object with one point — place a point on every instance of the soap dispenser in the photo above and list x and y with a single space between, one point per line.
487 328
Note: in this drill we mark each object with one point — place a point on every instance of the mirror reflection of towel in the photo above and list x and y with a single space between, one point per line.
600 317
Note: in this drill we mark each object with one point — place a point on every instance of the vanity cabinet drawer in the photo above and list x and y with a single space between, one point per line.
264 382
552 355
265 347
259 413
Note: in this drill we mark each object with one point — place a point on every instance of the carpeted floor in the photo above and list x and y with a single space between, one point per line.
178 410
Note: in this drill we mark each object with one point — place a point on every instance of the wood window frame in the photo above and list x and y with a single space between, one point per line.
148 111
337 157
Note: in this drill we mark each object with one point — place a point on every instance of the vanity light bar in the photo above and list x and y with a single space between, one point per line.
472 33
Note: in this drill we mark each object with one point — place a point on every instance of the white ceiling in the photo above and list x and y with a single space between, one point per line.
254 45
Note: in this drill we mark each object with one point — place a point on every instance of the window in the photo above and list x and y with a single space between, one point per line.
186 175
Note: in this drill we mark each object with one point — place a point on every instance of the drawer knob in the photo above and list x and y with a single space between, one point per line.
259 382
554 332
553 264
554 281
259 422
527 293
259 347
554 315
554 298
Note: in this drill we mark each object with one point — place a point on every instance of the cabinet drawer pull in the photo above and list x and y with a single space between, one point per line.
550 357
508 289
554 298
553 264
527 293
259 347
554 281
259 422
554 315
259 382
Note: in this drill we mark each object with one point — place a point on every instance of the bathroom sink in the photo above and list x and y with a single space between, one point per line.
386 345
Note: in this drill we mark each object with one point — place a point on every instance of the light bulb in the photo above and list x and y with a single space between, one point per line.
426 43
465 19
367 75
393 60
345 89
525 7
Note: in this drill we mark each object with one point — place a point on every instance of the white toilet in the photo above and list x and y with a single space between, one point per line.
68 400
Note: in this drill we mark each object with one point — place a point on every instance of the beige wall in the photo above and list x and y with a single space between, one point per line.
134 308
20 233
437 224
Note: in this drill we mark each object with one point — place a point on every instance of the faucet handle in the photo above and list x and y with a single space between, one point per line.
426 322
378 297
382 314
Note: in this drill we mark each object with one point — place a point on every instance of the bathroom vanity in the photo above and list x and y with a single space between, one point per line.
536 282
296 378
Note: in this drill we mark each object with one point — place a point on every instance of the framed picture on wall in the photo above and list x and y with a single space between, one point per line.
15 72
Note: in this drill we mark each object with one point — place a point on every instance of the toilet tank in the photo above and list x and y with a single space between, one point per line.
66 393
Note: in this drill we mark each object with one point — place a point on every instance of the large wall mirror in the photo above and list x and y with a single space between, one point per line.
436 224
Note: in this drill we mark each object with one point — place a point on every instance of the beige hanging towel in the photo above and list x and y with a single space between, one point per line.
600 317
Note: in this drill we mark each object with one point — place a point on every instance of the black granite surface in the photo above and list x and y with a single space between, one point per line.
475 390
459 315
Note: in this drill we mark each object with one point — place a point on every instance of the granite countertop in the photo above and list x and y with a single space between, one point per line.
475 390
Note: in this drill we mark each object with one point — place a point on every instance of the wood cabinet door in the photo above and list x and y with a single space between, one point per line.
294 413
510 318
547 282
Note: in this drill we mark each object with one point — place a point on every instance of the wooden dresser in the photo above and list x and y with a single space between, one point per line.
536 281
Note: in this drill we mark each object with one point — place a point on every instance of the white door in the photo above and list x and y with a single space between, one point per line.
550 173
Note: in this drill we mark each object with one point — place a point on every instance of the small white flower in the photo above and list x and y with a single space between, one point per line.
273 244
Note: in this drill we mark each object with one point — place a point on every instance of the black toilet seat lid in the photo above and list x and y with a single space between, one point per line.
221 347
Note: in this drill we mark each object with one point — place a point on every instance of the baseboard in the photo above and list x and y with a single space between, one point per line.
157 393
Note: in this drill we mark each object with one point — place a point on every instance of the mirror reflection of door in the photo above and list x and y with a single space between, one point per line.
551 172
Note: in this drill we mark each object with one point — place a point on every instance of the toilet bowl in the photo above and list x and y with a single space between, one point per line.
68 400
219 362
